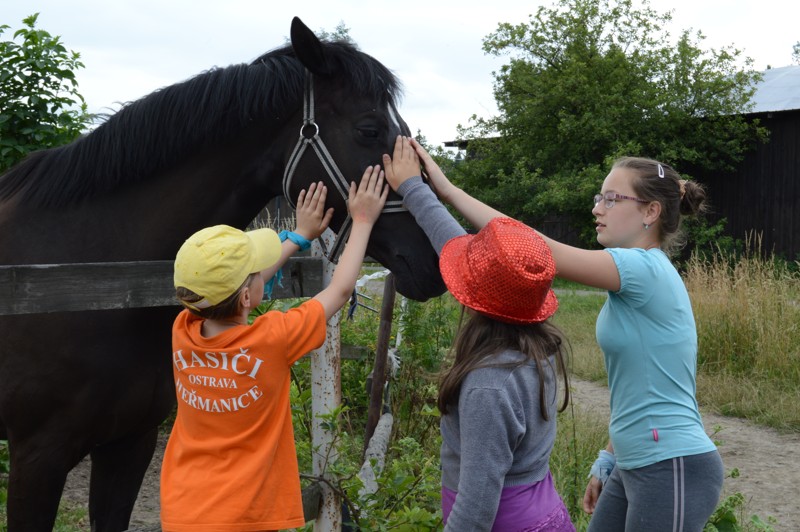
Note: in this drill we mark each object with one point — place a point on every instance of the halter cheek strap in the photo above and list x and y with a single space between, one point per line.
309 135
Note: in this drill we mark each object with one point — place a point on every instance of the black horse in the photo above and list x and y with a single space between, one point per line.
210 150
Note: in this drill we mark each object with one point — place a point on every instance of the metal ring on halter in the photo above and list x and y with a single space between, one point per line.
305 125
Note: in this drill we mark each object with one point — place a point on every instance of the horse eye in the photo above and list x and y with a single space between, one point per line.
369 133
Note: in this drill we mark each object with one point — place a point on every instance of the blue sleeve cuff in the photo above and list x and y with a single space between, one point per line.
301 241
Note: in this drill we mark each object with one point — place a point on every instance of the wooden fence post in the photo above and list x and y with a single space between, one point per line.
381 354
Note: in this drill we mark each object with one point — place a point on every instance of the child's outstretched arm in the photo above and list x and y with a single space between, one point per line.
312 220
365 204
590 267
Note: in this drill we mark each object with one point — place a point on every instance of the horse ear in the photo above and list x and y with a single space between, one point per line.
309 49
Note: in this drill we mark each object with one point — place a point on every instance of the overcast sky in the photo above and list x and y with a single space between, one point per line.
132 47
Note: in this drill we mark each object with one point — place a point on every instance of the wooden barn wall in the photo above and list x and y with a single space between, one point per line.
763 194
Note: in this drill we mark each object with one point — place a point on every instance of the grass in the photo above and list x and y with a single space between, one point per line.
576 317
72 517
747 311
580 435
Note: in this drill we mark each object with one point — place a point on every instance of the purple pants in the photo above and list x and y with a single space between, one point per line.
527 508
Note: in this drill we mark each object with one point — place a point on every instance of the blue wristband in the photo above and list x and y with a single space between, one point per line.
300 240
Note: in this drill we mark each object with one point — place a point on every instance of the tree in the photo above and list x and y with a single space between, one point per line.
40 106
340 33
796 53
590 80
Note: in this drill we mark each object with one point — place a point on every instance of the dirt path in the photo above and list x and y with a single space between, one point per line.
768 463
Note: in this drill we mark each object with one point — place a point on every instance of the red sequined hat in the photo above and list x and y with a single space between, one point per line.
505 272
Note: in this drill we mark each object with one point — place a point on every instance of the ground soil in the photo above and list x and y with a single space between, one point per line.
768 463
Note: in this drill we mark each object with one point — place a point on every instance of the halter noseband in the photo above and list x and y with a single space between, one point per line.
309 134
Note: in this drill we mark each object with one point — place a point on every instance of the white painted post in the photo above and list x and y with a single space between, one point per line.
326 396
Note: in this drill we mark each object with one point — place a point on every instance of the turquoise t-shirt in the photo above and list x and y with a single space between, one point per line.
647 333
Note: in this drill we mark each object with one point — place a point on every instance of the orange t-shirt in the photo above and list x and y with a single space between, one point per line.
231 463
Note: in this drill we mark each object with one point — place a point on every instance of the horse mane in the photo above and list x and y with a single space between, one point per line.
163 128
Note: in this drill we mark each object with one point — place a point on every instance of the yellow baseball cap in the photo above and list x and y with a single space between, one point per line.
215 261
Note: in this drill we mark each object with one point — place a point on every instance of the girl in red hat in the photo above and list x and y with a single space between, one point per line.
660 470
499 399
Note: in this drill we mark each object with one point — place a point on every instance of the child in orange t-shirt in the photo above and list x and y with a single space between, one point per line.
230 463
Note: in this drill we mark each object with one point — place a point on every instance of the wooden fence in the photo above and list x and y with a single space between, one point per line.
43 288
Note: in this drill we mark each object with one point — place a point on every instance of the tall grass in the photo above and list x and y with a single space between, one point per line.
580 434
576 317
747 310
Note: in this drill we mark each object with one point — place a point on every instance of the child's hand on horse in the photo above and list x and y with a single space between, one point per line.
366 201
312 218
403 164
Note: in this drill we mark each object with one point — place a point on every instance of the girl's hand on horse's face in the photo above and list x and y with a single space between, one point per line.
438 181
403 165
366 201
312 218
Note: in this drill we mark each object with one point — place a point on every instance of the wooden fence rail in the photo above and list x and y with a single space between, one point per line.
43 288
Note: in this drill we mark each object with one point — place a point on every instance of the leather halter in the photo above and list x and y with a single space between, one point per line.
309 135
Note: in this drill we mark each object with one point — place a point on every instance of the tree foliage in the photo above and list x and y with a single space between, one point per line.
588 81
40 106
340 33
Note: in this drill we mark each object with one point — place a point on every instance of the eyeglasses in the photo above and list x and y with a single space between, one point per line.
612 197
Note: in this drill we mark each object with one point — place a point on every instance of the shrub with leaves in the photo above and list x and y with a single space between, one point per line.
40 106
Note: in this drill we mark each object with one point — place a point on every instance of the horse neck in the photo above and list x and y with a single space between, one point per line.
224 184
229 184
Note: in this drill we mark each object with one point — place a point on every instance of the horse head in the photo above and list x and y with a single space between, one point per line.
349 121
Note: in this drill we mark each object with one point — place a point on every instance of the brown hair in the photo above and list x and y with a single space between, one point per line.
222 310
677 196
481 337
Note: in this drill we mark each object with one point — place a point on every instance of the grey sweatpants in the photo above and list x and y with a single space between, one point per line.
675 495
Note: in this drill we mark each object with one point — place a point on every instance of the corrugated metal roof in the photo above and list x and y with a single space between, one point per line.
779 91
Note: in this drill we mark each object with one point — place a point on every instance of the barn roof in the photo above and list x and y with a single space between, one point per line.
779 90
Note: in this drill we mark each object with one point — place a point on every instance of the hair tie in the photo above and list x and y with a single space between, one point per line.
682 184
